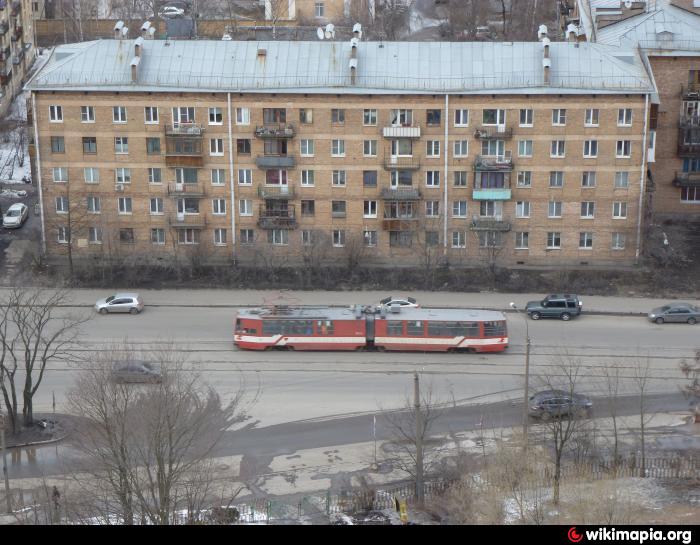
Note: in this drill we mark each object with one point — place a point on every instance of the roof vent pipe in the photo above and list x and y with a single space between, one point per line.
545 46
144 29
542 32
118 30
353 71
571 32
134 69
546 65
138 46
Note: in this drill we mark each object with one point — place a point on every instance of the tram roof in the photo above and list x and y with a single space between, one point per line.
348 313
447 314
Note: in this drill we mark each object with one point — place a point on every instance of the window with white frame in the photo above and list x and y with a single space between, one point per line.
588 178
525 148
618 241
623 149
556 178
119 114
319 9
585 240
369 117
558 117
369 148
401 118
124 205
247 236
432 178
245 207
186 175
188 236
622 180
558 149
150 115
156 206
432 209
338 178
461 117
338 238
306 147
94 204
460 178
220 237
459 209
218 207
524 178
459 239
56 114
158 236
490 239
122 175
337 116
522 209
60 174
493 148
432 148
588 210
490 209
370 209
61 205
553 240
188 205
690 194
62 235
493 117
461 148
522 240
554 209
155 175
245 176
306 116
590 149
183 115
94 235
338 209
87 114
592 117
216 146
91 175
121 144
307 237
526 117
218 176
216 116
307 178
337 148
242 116
370 238
624 117
619 210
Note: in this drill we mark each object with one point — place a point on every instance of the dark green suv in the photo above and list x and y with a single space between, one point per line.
562 306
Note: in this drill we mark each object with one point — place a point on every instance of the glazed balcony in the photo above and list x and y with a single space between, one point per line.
689 143
403 223
184 129
183 151
691 91
687 179
401 193
275 161
690 122
494 133
276 218
176 189
279 130
494 162
491 186
404 130
490 224
399 162
276 192
187 221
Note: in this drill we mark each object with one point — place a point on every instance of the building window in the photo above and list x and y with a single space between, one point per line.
95 235
624 117
619 210
58 144
432 178
401 118
461 118
493 148
124 205
432 148
432 238
338 178
89 144
590 149
338 209
158 236
188 205
623 149
216 116
522 240
591 118
553 240
461 148
494 117
618 241
121 144
126 235
243 146
56 114
245 207
307 148
91 175
93 204
183 115
432 209
337 148
61 205
307 237
490 239
307 178
460 178
242 116
558 149
524 178
525 148
156 206
150 115
337 116
526 117
490 209
60 174
369 178
218 207
218 176
369 148
588 209
585 241
690 194
153 146
122 175
459 209
622 180
119 114
556 178
432 117
319 9
306 116
220 237
188 236
522 209
554 209
369 117
245 176
400 239
370 238
274 115
558 117
338 238
87 114
370 209
62 235
401 178
308 208
459 239
186 175
247 236
588 179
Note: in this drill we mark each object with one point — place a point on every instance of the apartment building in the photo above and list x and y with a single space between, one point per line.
667 33
392 153
16 48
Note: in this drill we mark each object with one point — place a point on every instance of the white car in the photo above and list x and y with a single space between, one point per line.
15 216
407 302
171 11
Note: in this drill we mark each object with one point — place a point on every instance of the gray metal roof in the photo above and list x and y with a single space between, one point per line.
323 67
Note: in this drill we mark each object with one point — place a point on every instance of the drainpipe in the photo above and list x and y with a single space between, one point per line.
447 150
37 147
232 184
642 179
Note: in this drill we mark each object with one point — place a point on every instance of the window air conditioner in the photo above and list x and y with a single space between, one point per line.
119 187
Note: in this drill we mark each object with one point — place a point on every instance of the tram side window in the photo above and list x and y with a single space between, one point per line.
394 327
453 329
470 329
324 327
272 328
300 327
494 329
415 328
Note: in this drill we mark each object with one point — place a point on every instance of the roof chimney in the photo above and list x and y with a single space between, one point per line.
542 32
118 30
144 29
134 69
353 56
571 32
546 60
138 46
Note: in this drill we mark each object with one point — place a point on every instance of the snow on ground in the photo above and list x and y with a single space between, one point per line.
14 147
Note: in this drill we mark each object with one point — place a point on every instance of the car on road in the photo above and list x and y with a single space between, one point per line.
171 12
120 302
15 216
556 403
562 306
676 312
403 302
136 371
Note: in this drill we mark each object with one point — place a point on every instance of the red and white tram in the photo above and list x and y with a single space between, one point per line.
413 329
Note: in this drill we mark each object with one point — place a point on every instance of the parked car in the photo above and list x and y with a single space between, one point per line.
136 371
171 12
556 403
120 302
403 302
562 306
15 216
676 312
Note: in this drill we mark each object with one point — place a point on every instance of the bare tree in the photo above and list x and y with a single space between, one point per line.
641 374
391 19
355 250
491 247
691 370
611 386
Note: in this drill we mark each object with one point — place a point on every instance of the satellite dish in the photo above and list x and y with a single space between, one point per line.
328 35
319 33
226 37
330 30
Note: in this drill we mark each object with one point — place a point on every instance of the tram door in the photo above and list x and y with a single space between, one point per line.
369 324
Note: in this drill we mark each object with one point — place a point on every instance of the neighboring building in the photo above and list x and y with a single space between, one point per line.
397 152
667 33
16 48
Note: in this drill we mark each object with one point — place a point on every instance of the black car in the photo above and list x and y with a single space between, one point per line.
562 306
556 403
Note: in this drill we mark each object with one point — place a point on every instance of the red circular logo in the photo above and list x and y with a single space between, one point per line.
573 536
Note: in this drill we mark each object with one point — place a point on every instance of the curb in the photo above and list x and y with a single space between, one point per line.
38 443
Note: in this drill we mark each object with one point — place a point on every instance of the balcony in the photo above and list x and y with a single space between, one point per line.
490 224
404 223
16 34
405 130
184 129
186 190
689 143
494 162
401 193
690 91
491 194
499 132
187 221
687 179
277 218
276 192
275 161
281 130
183 151
491 186
690 122
398 162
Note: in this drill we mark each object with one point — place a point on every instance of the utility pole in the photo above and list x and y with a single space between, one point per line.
419 441
526 397
4 463
194 18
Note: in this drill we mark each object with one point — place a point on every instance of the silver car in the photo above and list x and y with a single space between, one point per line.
120 302
676 312
15 216
136 372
